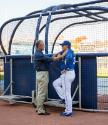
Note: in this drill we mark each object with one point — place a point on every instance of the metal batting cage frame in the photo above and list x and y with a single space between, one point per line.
53 25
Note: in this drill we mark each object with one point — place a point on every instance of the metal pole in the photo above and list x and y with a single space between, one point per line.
75 92
90 110
79 58
11 76
31 58
47 32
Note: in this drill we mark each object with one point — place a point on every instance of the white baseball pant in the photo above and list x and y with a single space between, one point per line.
62 86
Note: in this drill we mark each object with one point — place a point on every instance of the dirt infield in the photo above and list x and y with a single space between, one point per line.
24 114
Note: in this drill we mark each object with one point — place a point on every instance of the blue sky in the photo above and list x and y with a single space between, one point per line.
15 8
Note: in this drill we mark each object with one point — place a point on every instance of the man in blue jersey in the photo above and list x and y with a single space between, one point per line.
63 84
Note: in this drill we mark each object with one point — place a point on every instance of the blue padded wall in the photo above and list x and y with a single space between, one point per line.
24 78
89 82
23 75
6 76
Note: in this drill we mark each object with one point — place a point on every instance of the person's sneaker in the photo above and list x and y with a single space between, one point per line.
65 114
46 113
62 101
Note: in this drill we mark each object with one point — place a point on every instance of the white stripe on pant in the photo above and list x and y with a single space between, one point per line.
62 86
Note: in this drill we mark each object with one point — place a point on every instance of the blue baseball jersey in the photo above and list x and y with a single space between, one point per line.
68 62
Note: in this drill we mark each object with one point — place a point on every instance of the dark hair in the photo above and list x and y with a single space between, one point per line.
38 42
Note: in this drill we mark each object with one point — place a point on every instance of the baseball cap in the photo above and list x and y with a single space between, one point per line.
66 43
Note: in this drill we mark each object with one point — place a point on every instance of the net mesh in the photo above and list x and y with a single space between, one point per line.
6 34
86 37
102 82
24 37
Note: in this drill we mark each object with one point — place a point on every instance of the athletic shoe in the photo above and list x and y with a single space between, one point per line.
65 114
46 113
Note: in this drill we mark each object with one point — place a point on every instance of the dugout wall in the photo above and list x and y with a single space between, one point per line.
55 24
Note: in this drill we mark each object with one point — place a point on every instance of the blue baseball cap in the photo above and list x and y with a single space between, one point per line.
67 43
